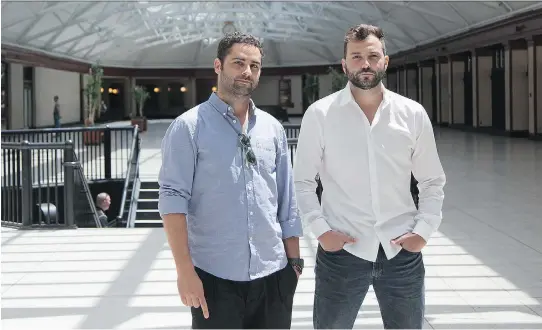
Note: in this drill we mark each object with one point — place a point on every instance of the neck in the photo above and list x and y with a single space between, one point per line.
239 104
370 98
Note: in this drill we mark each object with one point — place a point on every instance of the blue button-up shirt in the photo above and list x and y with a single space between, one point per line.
238 214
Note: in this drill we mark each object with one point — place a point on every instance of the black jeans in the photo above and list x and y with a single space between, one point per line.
263 303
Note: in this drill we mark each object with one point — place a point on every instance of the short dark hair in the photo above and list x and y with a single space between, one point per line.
231 39
361 32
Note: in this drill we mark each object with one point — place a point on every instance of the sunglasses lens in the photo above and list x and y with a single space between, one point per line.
251 158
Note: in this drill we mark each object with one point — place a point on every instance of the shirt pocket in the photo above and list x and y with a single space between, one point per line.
398 140
265 152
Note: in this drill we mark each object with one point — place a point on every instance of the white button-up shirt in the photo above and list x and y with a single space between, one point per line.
365 170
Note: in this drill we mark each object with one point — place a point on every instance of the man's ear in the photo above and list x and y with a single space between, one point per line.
343 63
387 61
217 65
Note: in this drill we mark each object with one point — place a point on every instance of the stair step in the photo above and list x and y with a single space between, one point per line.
149 185
147 204
148 215
148 223
148 194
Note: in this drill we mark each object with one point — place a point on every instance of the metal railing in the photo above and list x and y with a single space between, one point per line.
85 210
102 151
24 206
292 130
131 184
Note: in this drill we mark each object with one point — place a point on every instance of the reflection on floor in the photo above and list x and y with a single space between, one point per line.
484 266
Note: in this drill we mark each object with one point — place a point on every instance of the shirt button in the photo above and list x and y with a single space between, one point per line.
251 213
234 121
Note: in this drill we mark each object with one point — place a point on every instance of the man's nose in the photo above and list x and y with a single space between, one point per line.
247 72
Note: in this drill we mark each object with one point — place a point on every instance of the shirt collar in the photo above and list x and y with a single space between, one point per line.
225 108
345 95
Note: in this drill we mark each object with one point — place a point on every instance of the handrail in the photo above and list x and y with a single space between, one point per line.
65 129
79 169
135 141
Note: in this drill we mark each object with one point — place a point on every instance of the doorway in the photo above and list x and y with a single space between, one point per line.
467 84
498 99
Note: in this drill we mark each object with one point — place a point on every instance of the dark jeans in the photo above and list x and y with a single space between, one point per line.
342 282
259 304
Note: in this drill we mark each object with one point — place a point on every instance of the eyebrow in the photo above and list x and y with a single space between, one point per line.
370 52
242 59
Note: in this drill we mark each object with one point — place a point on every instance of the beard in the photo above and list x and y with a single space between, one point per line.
236 88
357 79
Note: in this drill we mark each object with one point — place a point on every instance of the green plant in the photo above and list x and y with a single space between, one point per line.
338 80
140 96
93 92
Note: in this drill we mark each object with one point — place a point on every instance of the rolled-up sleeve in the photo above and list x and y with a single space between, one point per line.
177 171
288 216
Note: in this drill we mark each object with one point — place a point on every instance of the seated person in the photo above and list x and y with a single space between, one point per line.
103 201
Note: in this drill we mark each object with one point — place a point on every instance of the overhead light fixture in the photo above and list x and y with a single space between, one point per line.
183 89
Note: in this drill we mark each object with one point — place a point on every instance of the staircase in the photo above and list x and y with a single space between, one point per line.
147 214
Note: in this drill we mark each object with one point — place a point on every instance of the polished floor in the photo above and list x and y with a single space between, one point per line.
484 266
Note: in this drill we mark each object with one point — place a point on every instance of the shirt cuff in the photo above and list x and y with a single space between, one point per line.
172 205
319 226
291 228
423 229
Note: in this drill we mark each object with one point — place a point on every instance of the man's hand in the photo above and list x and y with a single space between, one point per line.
410 242
296 272
333 241
191 291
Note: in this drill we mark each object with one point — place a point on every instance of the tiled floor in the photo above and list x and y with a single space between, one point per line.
484 266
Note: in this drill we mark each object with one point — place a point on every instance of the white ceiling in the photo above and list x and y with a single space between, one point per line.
184 34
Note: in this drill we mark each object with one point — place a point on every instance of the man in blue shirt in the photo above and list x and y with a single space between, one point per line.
228 203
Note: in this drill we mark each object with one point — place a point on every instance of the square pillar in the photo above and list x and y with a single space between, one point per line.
531 74
507 92
438 96
450 91
474 72
420 82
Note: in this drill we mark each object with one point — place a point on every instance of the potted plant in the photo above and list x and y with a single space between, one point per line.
93 96
338 80
140 96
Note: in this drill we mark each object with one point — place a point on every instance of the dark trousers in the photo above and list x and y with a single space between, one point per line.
264 303
342 282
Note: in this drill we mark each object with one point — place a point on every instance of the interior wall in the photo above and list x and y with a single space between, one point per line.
64 84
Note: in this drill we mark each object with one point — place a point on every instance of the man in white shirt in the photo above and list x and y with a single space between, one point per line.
364 142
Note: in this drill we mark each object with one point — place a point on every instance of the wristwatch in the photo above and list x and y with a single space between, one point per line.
297 263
